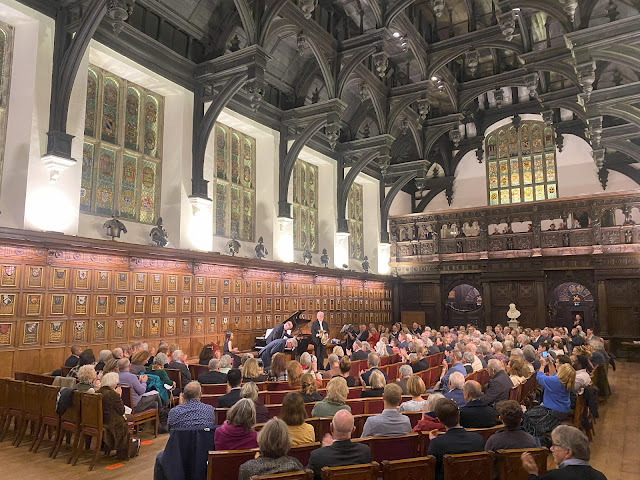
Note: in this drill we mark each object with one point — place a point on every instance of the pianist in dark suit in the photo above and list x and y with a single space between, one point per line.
277 341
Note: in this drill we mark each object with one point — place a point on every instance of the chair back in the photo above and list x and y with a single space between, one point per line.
21 376
32 398
91 408
354 392
463 466
414 417
65 370
35 378
72 415
15 394
210 399
373 406
367 471
174 376
321 426
278 396
127 397
303 452
421 468
228 462
300 475
357 406
4 398
384 360
486 432
48 398
196 369
356 366
214 389
510 465
434 375
514 393
220 415
392 373
274 410
395 448
358 422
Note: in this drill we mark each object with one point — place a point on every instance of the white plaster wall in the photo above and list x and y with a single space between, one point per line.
401 205
371 221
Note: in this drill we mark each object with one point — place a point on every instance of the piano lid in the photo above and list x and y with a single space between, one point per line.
297 320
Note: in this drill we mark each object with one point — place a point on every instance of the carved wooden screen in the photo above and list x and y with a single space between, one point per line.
6 54
234 186
356 229
122 154
305 206
521 164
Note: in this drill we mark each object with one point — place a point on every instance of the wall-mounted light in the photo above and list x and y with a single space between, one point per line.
284 241
341 250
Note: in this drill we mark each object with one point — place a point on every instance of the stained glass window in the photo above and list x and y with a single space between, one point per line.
234 178
354 216
305 206
121 158
6 54
521 164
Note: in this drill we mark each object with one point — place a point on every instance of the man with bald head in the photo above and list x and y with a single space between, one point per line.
337 449
476 414
191 413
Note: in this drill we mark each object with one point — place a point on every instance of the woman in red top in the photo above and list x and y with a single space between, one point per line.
429 421
374 336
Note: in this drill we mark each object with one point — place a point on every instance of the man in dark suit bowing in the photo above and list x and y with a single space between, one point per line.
280 331
318 326
278 339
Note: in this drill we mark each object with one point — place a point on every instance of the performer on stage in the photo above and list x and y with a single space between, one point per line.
277 341
316 337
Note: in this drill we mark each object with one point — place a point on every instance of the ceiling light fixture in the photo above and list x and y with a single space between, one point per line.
438 7
118 11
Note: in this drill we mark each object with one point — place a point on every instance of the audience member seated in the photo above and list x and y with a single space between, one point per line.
86 379
103 356
429 421
531 357
116 430
467 362
358 352
141 401
207 353
234 379
250 391
117 353
455 440
583 379
556 401
309 364
138 362
518 371
512 435
377 384
390 423
571 452
214 376
422 363
293 414
71 361
251 372
333 367
404 373
191 413
86 358
475 413
416 388
274 442
278 369
455 393
308 388
229 349
110 366
294 374
237 432
157 368
345 369
225 363
337 448
477 361
373 360
337 393
499 385
456 358
178 363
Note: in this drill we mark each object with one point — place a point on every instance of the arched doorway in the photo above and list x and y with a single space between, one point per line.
568 300
463 305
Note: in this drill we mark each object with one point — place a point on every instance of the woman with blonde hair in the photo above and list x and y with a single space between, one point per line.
381 349
251 371
337 393
308 388
339 351
274 442
294 372
87 379
377 384
294 415
416 387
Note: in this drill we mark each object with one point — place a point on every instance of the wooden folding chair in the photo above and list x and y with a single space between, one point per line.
15 408
395 448
421 468
373 406
303 452
228 462
65 370
174 376
301 475
214 389
149 415
32 412
486 432
510 464
321 426
4 401
50 418
367 471
70 423
220 415
514 393
92 426
464 466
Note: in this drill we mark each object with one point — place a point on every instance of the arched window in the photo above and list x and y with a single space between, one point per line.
305 206
122 154
6 54
354 216
521 164
234 183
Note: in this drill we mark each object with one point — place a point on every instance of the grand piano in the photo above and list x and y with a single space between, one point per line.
299 322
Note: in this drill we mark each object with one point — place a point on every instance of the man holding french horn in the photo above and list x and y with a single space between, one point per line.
320 337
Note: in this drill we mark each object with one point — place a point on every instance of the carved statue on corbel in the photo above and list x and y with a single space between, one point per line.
596 225
480 154
449 194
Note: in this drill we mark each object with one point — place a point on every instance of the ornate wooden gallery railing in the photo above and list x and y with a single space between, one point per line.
575 226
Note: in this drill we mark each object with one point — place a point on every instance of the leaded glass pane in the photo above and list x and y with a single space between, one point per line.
247 216
132 119
539 169
548 139
513 142
493 197
539 192
150 187
151 119
87 177
527 175
515 195
110 110
313 231
221 153
304 226
235 158
221 208
504 173
551 191
515 172
355 217
305 203
528 194
536 133
504 196
311 185
303 185
91 110
236 212
493 175
248 152
106 173
128 201
502 144
525 140
491 147
297 242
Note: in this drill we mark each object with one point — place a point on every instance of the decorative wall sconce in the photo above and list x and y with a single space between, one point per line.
423 108
473 59
438 7
307 7
118 11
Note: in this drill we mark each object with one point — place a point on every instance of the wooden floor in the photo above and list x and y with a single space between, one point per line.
615 450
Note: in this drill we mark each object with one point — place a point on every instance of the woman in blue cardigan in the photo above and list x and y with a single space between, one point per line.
556 400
